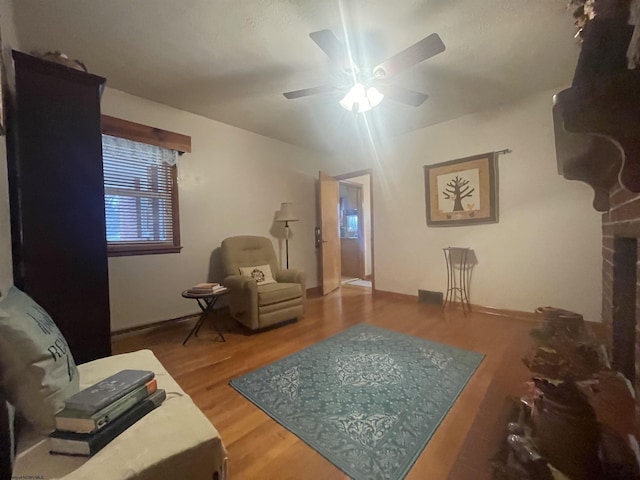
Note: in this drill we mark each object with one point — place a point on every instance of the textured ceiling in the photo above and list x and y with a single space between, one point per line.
230 60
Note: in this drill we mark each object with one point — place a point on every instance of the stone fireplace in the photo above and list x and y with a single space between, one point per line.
620 287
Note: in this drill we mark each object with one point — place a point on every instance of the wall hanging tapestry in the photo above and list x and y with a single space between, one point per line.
368 399
462 191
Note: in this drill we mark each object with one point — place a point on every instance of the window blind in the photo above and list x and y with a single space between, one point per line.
139 196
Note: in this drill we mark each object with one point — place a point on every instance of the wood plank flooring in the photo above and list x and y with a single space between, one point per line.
259 448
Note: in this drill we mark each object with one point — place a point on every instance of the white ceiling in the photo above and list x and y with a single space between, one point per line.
230 60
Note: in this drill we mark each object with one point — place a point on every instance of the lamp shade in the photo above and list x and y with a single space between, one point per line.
286 213
361 99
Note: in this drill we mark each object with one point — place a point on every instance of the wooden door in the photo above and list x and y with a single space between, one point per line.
330 233
350 258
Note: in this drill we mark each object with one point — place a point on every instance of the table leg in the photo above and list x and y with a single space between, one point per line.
207 308
447 260
464 296
196 327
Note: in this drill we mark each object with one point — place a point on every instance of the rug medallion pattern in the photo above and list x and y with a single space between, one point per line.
368 399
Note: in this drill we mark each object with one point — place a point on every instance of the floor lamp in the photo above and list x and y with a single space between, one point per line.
285 215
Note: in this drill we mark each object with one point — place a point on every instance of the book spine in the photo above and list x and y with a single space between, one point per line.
79 423
98 441
120 406
68 443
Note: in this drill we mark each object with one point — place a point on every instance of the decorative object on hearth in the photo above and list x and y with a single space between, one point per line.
367 399
618 458
566 351
558 321
462 191
62 59
519 456
582 14
567 360
580 416
545 362
587 10
566 430
606 34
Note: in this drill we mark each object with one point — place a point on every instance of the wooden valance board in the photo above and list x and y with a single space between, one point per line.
137 132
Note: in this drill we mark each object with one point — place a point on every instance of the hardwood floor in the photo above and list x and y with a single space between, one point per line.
259 448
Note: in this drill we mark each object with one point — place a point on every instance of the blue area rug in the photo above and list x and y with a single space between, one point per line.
368 399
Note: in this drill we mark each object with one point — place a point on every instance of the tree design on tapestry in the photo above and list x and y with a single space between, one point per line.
462 191
456 190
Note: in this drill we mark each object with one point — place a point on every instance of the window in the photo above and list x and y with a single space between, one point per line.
141 195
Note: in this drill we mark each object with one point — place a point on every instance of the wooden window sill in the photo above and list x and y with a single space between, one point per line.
150 249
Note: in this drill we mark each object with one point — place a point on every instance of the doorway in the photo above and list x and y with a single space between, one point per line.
355 224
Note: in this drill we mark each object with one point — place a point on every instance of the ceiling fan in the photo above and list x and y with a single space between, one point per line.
366 89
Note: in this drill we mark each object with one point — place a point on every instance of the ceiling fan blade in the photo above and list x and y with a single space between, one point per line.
329 44
419 52
311 91
402 95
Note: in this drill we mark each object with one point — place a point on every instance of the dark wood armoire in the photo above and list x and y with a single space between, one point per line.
57 200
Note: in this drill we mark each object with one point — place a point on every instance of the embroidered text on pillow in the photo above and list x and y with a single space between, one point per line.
43 320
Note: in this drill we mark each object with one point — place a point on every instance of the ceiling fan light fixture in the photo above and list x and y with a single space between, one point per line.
362 97
374 96
359 99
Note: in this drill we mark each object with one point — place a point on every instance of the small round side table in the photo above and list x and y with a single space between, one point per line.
206 301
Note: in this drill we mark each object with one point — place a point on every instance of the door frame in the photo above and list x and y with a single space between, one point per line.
359 173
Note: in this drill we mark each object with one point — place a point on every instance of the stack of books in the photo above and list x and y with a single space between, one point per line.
96 415
205 288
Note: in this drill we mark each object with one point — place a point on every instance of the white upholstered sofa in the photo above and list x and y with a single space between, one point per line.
174 441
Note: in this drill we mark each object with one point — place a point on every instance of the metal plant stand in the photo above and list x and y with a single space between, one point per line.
457 276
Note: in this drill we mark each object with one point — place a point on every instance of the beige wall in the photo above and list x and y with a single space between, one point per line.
232 183
544 251
9 41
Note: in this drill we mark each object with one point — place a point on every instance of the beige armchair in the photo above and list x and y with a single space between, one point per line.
259 306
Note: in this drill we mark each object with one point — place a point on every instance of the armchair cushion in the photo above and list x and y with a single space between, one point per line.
278 292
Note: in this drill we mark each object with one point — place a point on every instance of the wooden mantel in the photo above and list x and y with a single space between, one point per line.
597 134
